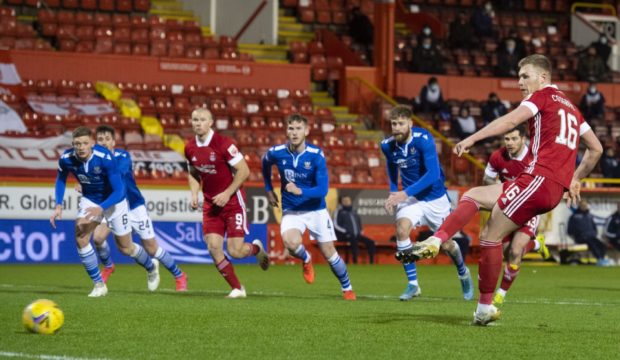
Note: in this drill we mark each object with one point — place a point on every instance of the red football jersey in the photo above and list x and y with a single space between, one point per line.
213 159
508 168
555 130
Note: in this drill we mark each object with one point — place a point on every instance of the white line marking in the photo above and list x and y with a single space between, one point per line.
43 356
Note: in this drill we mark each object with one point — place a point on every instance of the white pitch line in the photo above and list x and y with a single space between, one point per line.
43 356
569 302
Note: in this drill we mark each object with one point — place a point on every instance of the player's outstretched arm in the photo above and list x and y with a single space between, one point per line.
495 128
593 152
193 179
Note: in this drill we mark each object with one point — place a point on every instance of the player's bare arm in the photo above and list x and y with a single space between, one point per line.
292 188
194 186
56 215
496 127
272 198
593 152
395 198
242 172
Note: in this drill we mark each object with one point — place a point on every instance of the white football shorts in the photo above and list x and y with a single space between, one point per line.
318 222
141 223
431 213
117 216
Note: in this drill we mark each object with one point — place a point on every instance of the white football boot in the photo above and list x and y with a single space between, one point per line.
152 277
237 294
261 257
99 290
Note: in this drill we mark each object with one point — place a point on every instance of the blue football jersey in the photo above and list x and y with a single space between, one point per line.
99 176
124 164
307 170
418 165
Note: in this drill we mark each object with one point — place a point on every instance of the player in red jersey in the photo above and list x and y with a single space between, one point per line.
505 164
556 126
216 163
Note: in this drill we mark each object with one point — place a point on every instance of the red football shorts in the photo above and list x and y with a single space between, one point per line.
529 195
230 220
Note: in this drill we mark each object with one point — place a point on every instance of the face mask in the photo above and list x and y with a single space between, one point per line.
348 208
488 7
510 48
426 31
603 40
592 90
434 87
426 46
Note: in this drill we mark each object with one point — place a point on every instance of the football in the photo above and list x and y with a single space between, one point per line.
43 317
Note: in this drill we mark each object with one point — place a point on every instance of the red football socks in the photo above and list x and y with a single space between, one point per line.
463 213
490 266
510 274
228 272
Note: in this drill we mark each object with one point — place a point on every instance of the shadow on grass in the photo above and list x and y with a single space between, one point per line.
392 318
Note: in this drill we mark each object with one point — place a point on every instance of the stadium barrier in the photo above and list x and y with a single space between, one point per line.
27 237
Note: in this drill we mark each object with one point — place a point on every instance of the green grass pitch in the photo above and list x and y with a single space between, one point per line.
551 313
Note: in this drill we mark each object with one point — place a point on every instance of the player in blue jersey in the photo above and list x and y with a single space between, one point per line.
304 185
103 196
411 152
139 218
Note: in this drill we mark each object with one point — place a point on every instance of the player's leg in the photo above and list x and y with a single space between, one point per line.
321 228
215 244
490 264
118 221
435 212
83 231
518 244
236 228
482 197
142 225
291 229
408 215
100 238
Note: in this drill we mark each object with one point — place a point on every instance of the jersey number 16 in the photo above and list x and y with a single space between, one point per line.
568 130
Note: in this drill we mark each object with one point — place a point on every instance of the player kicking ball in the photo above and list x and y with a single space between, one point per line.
139 218
410 152
505 164
103 196
556 128
304 184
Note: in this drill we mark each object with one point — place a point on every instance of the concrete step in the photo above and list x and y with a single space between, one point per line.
166 5
323 102
370 135
173 14
340 110
287 19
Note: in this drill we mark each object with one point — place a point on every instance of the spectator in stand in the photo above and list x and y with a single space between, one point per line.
612 228
482 20
592 104
610 166
426 32
603 50
591 68
348 226
361 31
493 108
431 100
426 58
520 49
461 32
508 60
465 123
582 228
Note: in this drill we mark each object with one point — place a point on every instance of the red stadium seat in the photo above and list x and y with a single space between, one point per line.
159 48
122 48
140 49
122 34
124 5
139 22
84 18
85 33
70 4
142 5
104 45
106 5
103 19
88 4
140 36
306 15
66 17
176 50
